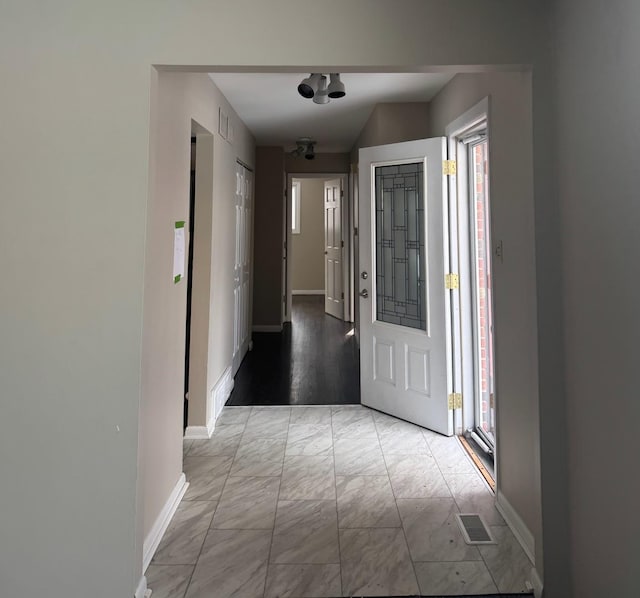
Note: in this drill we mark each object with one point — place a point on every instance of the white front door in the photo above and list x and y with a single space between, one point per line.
242 262
333 298
405 364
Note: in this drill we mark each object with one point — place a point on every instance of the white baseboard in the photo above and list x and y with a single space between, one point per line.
141 591
197 433
518 527
305 292
267 328
162 522
218 397
536 582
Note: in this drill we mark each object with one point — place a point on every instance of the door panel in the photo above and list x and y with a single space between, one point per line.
242 263
404 307
334 301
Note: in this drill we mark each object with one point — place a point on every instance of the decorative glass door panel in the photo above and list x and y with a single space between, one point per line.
400 245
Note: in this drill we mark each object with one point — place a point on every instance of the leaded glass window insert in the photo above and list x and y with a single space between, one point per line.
400 245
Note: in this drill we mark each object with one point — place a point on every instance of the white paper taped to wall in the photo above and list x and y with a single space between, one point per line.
178 252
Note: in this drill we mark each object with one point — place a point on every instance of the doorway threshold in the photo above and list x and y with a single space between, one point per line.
483 462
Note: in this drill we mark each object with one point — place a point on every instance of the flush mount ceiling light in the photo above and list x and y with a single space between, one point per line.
315 86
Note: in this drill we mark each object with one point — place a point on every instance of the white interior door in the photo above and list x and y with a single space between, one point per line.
405 359
334 296
247 229
242 263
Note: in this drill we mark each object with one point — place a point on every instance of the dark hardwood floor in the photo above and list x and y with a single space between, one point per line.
312 362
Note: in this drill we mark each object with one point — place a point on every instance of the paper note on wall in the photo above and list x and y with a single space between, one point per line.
178 252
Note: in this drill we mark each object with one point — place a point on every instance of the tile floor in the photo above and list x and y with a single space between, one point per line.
295 502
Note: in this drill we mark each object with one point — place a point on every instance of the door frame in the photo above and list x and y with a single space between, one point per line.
347 237
460 235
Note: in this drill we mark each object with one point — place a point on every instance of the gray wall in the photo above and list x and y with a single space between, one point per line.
322 163
393 122
598 139
308 246
512 222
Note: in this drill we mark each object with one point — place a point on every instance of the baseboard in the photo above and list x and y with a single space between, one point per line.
197 433
305 292
162 522
536 582
141 591
518 527
218 397
267 328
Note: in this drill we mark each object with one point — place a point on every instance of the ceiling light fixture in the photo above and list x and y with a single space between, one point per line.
309 86
321 96
315 86
336 87
305 147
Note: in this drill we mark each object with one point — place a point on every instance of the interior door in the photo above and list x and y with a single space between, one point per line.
334 297
405 363
247 229
242 262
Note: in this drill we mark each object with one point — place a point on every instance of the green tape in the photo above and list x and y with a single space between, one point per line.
180 224
176 279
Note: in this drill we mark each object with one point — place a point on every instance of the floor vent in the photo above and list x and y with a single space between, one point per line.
474 529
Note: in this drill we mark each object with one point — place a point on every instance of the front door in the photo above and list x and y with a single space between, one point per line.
405 359
334 297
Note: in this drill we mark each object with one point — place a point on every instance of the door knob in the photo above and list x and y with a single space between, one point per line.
364 293
364 276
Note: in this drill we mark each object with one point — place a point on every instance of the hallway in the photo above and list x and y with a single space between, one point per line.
329 501
314 361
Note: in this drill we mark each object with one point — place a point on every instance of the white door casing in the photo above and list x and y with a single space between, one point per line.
334 299
405 348
242 265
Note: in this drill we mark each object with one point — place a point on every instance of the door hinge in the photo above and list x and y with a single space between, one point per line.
451 281
492 401
449 167
455 401
355 231
342 243
284 298
342 296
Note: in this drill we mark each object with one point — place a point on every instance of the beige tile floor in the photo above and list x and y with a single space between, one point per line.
297 502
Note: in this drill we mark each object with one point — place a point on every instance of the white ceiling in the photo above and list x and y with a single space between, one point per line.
269 104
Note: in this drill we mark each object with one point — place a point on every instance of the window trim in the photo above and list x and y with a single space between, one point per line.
295 207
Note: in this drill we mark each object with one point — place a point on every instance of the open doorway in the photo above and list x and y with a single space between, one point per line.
317 242
187 344
474 348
